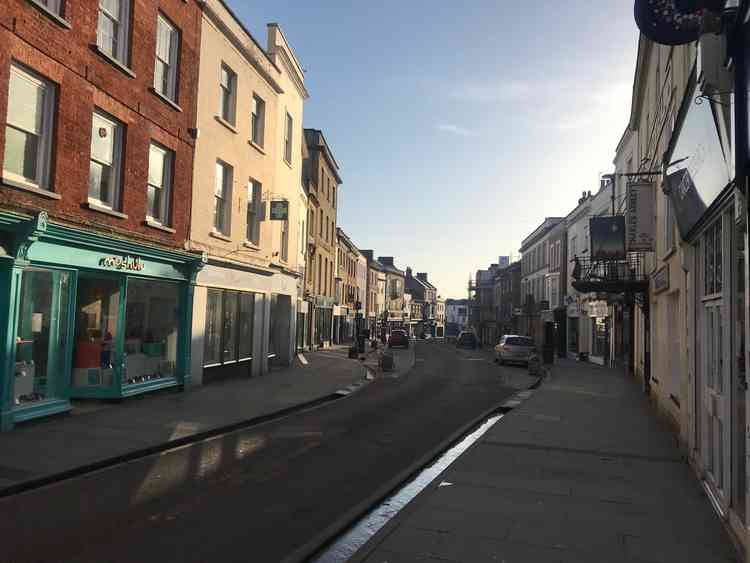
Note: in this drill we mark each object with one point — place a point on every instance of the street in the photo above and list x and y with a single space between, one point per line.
262 493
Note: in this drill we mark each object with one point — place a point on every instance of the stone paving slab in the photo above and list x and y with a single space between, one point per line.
582 471
100 431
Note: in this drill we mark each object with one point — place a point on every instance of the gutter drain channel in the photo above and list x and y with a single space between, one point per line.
343 548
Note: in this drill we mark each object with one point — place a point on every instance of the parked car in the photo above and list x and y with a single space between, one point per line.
467 340
398 338
513 348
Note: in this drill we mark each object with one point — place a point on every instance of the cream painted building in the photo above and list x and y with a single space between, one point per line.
247 175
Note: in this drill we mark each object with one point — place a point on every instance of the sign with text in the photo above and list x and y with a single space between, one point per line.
699 171
129 263
279 210
640 227
607 237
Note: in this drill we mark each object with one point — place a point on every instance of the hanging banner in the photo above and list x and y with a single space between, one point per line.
640 224
607 237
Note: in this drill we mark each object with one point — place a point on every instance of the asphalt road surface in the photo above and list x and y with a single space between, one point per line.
262 493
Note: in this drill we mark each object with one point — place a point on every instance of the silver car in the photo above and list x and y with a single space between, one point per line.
513 348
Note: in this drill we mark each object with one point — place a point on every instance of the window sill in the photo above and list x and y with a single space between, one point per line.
256 146
59 20
159 226
93 206
113 61
166 100
220 236
250 245
27 187
226 124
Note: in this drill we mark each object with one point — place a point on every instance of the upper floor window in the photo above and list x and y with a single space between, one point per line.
257 120
106 160
228 92
54 6
284 250
160 165
288 131
669 224
167 49
112 31
713 259
222 197
30 124
254 202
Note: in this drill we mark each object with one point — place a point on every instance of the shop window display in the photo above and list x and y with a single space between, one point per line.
97 317
151 331
229 327
41 335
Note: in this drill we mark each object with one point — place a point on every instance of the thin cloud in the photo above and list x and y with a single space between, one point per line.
501 91
456 130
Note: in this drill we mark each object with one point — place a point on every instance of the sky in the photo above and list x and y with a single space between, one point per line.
459 126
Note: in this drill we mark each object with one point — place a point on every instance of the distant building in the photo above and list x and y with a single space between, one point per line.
456 316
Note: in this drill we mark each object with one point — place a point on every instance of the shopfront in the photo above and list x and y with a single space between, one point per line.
573 313
88 316
324 310
600 332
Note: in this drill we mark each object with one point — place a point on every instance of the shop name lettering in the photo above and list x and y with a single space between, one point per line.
130 263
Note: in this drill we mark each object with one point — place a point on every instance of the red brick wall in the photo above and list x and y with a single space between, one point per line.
85 80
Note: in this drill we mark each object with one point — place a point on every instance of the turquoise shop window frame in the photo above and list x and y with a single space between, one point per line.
61 403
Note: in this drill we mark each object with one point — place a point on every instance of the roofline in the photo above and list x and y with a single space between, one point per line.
539 231
327 153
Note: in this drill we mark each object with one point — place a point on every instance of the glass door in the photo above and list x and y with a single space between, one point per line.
42 337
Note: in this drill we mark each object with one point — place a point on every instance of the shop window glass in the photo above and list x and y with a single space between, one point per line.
151 330
97 317
229 332
41 335
212 340
245 337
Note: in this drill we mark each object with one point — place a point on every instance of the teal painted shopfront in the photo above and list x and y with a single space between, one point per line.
88 316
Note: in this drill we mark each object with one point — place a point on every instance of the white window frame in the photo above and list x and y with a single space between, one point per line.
122 31
257 120
254 208
288 130
165 193
44 132
168 86
227 94
223 197
116 159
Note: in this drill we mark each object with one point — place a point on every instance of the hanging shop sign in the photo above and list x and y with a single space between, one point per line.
676 22
279 210
607 237
598 309
699 172
661 279
129 263
640 225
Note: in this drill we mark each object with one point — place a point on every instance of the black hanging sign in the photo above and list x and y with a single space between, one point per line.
676 22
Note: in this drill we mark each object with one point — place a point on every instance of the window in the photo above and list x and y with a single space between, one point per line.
334 196
53 6
28 134
160 163
167 48
257 120
112 32
254 206
285 240
106 158
228 93
288 138
321 223
229 327
222 195
713 254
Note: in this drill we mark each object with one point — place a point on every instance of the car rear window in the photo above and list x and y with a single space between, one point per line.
519 341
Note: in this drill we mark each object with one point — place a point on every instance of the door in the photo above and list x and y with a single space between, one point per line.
42 337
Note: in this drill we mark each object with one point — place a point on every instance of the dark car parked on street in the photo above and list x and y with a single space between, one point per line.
398 338
467 340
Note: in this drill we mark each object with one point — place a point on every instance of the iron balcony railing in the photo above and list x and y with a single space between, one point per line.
610 276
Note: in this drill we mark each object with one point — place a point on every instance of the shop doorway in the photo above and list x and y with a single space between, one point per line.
42 336
228 340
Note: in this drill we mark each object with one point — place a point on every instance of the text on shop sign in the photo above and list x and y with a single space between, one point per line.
130 263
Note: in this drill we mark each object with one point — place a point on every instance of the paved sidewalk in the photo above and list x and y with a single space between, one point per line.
583 471
105 430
